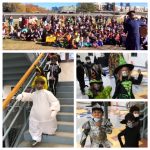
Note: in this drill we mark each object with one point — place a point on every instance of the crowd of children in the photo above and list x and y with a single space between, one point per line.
122 74
71 32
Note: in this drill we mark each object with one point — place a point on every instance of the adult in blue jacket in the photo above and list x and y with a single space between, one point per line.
132 27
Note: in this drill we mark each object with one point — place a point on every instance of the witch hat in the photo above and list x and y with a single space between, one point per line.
122 63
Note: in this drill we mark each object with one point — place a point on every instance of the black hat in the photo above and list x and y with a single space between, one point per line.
129 13
122 63
130 117
134 108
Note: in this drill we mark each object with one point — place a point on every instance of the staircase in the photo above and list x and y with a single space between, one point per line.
64 135
15 65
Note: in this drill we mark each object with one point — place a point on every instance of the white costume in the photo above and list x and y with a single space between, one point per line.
43 113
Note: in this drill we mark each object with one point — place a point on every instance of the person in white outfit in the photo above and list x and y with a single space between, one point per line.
42 117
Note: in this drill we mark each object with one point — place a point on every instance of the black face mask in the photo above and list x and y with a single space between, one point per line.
125 78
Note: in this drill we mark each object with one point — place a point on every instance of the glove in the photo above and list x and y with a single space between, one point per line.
53 114
19 97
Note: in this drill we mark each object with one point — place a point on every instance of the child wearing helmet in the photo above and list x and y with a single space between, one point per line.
97 128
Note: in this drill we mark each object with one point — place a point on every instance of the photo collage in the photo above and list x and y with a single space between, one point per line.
75 74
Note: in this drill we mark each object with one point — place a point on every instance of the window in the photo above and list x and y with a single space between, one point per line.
133 54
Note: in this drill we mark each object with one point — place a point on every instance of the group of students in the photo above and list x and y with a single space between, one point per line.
77 32
42 119
98 127
94 72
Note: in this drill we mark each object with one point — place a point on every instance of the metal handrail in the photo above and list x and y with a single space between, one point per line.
10 111
21 82
20 109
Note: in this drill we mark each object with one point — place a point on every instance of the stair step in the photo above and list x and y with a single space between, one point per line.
16 64
64 95
65 89
69 83
66 101
66 108
63 116
48 145
12 77
60 137
65 126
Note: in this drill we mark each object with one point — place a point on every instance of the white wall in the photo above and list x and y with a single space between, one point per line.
6 90
140 60
67 71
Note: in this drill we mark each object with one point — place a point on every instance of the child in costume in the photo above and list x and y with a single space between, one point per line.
136 113
42 119
39 72
53 70
97 128
125 80
130 133
98 91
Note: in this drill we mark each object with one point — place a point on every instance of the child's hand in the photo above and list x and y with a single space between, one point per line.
53 114
19 97
139 71
98 124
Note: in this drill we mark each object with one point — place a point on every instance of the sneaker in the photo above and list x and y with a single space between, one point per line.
35 143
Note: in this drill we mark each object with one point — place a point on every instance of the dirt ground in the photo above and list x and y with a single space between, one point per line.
9 44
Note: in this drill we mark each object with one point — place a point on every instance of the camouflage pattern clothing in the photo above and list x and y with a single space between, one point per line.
98 135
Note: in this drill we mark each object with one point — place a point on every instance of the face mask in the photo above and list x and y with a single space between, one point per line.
136 115
124 73
88 61
98 119
96 87
130 125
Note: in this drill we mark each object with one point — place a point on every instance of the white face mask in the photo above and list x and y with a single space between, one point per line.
88 61
96 119
136 115
124 73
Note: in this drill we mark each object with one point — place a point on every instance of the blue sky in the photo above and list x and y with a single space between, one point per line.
135 4
49 5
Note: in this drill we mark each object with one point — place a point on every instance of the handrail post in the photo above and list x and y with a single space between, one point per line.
6 142
21 81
